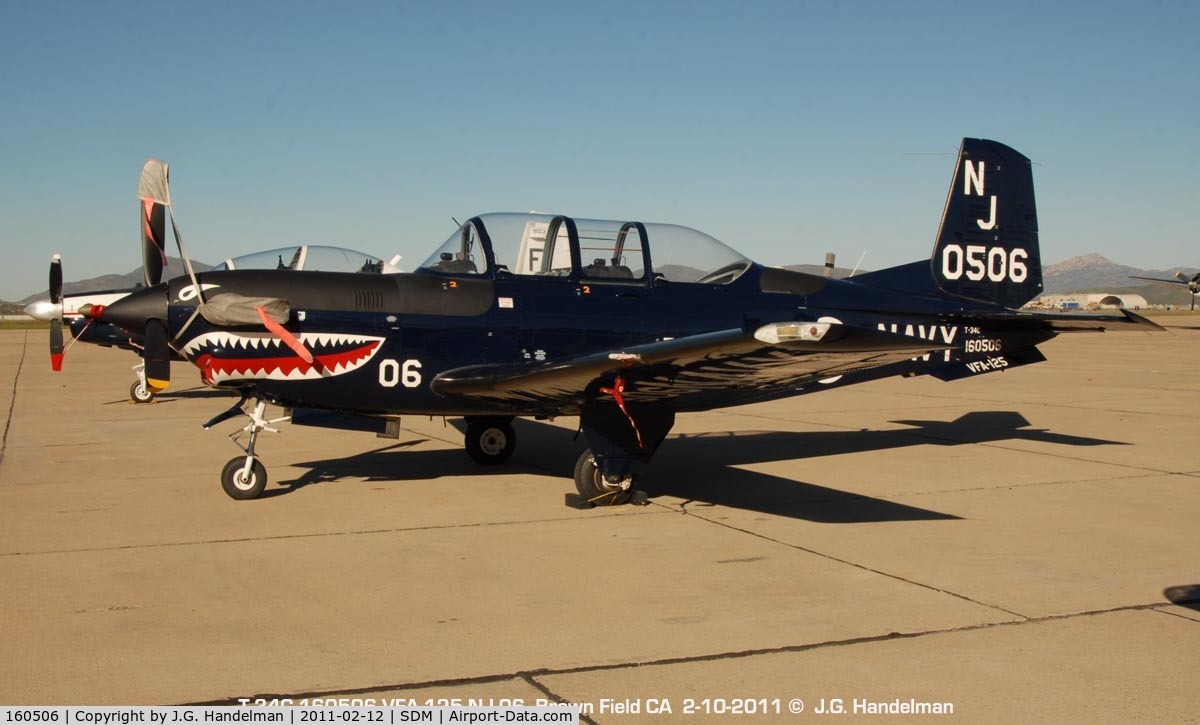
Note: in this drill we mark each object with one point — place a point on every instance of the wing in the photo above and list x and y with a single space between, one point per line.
1160 279
691 373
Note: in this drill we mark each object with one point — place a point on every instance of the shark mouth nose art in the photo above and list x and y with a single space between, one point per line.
223 356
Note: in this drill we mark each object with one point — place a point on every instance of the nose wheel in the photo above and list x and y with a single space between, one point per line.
245 477
242 481
139 392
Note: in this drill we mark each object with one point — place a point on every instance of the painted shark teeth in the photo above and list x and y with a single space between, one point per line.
223 356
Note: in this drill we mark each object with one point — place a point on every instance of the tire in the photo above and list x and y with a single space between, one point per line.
239 489
592 486
490 441
139 393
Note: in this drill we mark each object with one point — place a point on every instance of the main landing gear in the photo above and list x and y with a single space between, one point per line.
597 489
490 440
245 477
620 439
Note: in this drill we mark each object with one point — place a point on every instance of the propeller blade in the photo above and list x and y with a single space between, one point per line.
56 283
155 197
157 355
154 255
56 344
1182 277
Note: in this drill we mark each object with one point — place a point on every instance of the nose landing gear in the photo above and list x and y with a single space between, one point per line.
140 392
245 477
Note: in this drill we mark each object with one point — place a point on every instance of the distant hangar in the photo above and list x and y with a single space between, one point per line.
1091 301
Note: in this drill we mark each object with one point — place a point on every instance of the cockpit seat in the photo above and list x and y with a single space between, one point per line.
600 268
448 263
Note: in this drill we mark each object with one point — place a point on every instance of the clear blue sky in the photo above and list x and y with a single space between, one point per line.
785 129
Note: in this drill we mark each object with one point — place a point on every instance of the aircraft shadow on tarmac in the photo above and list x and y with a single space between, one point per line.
1184 595
199 392
702 469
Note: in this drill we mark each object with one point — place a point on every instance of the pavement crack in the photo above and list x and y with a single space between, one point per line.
1169 613
285 537
533 676
533 682
12 405
863 567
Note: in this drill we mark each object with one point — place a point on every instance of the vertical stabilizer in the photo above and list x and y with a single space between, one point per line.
987 247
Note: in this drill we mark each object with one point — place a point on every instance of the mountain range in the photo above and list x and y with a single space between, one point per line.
1094 273
130 279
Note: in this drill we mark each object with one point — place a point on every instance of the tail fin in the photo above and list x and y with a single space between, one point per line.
987 247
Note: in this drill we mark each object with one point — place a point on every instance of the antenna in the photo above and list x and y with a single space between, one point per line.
859 262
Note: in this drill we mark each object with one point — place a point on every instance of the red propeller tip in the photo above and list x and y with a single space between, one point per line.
56 361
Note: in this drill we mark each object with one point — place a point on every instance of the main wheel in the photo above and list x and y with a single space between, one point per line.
595 488
490 441
139 393
243 487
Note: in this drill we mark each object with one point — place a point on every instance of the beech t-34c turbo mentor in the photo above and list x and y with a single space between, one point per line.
621 323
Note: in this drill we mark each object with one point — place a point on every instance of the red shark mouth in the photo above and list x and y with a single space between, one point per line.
226 356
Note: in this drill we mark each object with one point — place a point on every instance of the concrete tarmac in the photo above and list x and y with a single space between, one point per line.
1023 546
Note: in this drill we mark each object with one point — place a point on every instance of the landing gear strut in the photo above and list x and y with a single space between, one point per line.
139 392
490 441
620 438
245 477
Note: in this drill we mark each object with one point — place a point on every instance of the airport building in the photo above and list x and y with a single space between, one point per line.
1091 301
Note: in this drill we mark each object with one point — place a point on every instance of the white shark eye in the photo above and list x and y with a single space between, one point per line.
189 292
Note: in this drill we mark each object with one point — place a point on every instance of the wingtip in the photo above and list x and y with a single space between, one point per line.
1143 321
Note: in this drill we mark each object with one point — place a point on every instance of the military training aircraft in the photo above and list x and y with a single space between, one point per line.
622 323
1192 282
61 308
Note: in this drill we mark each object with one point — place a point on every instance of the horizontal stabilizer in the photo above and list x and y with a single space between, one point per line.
1079 322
